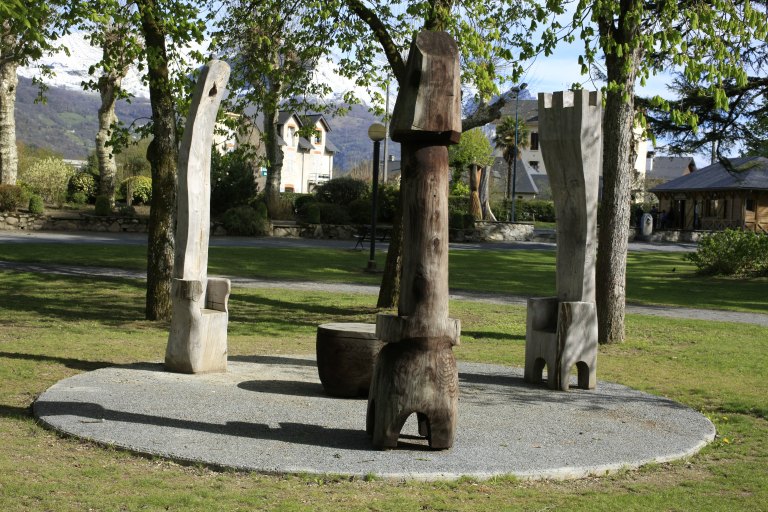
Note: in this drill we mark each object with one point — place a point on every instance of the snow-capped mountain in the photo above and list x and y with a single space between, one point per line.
70 70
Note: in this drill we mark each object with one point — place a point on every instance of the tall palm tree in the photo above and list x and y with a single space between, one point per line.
505 141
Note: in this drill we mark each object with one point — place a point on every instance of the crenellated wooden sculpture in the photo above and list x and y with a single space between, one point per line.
562 331
416 371
197 342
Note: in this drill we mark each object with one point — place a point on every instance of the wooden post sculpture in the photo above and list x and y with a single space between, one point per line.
198 339
416 370
562 331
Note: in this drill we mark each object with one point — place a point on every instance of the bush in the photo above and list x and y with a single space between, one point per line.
732 252
389 197
309 212
10 198
283 210
360 211
331 213
341 191
36 206
232 181
48 178
531 210
103 207
82 185
141 187
245 221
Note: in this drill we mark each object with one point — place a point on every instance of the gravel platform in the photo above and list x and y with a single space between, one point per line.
269 414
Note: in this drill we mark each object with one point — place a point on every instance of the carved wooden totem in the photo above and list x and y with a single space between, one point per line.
416 369
197 341
562 331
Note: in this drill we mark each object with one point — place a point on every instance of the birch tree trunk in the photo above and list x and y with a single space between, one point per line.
162 154
619 155
109 85
8 154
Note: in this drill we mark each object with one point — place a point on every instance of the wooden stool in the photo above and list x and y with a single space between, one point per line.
346 354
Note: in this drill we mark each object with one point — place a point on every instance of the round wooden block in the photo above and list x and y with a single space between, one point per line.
346 353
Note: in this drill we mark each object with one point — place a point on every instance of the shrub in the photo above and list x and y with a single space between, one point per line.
10 198
48 178
301 200
141 187
283 210
331 213
732 252
309 212
126 210
103 207
245 221
535 209
36 206
360 211
341 191
458 204
232 181
82 184
389 197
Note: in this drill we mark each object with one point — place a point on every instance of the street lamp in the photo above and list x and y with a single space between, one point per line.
517 90
377 132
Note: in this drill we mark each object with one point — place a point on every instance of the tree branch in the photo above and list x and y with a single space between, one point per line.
484 114
381 33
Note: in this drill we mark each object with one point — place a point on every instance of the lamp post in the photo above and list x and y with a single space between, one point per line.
377 132
517 90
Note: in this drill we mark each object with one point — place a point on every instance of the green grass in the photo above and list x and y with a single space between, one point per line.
652 277
52 327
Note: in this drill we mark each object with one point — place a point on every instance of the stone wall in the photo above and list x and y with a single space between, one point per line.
17 221
485 231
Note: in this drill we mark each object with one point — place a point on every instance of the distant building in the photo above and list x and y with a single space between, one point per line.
665 168
307 162
718 197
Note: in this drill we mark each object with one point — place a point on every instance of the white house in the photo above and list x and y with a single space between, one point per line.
307 162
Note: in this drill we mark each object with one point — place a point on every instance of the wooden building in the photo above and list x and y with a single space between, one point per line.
733 194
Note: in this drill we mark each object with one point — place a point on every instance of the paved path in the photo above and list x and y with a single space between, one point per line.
491 298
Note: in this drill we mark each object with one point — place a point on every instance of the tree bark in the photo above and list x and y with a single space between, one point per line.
162 154
8 154
389 291
274 157
618 158
475 208
109 85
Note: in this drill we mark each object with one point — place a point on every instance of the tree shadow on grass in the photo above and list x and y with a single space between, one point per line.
74 364
493 335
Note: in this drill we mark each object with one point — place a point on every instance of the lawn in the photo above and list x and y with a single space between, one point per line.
652 277
52 327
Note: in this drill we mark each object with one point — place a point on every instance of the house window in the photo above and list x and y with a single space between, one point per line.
750 205
291 134
725 208
534 141
534 164
317 138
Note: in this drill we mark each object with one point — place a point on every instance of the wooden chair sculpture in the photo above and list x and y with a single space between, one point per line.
416 371
197 341
562 331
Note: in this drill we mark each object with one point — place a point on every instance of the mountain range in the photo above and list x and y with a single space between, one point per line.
66 123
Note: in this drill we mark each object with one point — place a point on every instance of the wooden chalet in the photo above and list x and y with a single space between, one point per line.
733 194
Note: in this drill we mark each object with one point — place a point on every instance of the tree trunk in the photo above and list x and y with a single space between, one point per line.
8 155
475 208
389 292
163 156
618 159
485 196
274 158
109 84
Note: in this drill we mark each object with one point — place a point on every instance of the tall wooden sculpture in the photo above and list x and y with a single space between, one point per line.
562 331
198 339
416 370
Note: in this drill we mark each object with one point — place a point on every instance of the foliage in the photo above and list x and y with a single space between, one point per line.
537 210
49 178
141 189
341 191
309 212
333 213
360 211
78 198
459 188
511 135
103 206
36 205
283 208
232 181
246 221
10 197
132 160
82 183
473 148
732 252
389 197
757 143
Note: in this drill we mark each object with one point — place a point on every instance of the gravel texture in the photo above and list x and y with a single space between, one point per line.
270 414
